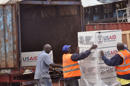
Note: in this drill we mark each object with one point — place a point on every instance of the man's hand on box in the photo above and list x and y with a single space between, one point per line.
101 53
93 47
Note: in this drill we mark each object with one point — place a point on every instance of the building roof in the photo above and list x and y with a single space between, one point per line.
109 1
88 3
3 1
8 1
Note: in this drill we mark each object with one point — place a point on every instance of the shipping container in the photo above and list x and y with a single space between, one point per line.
28 25
125 27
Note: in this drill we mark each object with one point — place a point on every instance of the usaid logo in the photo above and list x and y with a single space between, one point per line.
108 38
30 59
110 53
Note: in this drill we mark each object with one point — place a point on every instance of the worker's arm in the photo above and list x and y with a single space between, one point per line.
114 61
49 62
76 56
55 65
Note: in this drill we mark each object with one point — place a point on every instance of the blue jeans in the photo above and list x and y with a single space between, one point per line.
44 82
71 82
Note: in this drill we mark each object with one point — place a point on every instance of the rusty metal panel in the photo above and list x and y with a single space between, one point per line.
2 43
9 36
15 37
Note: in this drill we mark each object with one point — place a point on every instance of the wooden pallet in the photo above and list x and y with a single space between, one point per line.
126 38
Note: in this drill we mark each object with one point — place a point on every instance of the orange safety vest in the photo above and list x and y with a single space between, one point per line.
124 68
70 68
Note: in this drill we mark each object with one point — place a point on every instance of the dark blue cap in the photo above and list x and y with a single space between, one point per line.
65 48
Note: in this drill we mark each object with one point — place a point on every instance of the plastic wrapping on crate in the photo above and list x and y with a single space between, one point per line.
95 72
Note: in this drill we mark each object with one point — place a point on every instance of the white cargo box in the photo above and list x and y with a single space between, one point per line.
103 38
94 71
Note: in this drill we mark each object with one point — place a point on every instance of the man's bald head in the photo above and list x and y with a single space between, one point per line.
47 48
120 46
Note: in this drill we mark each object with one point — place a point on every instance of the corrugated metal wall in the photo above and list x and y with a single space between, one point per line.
8 49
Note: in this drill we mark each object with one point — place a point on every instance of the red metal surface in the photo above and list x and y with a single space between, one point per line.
15 76
108 26
4 78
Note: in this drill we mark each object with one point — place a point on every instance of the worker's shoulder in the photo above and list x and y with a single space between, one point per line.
44 54
117 56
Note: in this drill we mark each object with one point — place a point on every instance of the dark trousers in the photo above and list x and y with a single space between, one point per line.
126 85
71 82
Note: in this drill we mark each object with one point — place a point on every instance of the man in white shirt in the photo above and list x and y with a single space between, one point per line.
44 62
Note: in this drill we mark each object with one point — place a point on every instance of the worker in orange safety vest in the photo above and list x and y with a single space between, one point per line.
71 68
121 61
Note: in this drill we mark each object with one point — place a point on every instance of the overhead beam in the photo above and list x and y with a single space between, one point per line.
52 2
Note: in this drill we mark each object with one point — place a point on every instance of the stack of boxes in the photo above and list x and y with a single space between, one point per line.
94 71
